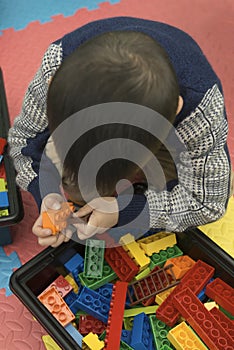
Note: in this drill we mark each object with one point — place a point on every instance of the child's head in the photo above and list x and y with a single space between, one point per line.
120 66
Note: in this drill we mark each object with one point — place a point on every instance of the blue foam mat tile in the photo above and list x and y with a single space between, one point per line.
18 14
7 265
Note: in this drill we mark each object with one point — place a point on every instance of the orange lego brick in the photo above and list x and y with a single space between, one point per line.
56 220
181 264
53 301
158 241
182 337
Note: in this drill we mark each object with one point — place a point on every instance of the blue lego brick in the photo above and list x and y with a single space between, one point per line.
106 291
74 333
142 337
7 266
75 265
202 296
71 300
126 336
4 202
19 13
94 304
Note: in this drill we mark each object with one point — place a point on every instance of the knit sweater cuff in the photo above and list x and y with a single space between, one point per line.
34 189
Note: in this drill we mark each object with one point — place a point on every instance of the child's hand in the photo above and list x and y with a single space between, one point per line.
103 214
45 237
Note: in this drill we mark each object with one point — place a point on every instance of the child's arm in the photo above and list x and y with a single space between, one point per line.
29 133
202 193
203 190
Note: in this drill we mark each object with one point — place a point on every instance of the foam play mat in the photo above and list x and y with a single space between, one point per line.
26 29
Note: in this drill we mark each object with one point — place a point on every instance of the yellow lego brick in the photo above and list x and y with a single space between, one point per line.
91 342
3 185
160 297
134 251
4 212
142 274
210 304
158 241
222 230
72 282
182 337
50 343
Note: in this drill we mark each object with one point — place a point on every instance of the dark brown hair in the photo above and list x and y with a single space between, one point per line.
119 66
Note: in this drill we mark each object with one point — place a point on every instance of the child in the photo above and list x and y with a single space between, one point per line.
143 63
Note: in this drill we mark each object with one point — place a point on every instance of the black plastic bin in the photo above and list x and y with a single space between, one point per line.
32 278
16 211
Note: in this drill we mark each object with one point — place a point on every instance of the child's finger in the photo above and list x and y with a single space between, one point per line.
86 210
38 230
46 241
67 235
60 239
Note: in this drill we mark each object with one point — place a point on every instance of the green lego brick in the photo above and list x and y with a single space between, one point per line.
102 336
159 330
125 346
93 283
128 323
166 347
94 258
228 314
158 259
142 274
138 310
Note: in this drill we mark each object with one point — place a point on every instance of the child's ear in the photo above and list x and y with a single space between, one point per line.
180 105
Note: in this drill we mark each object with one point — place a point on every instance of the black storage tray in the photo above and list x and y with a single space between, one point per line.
15 209
32 278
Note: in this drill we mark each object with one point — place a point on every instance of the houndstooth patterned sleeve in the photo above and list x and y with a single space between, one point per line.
32 119
203 188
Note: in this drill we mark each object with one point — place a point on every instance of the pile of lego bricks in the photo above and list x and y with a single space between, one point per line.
141 295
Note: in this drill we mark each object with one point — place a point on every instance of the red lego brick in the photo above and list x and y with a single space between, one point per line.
195 279
62 286
109 241
222 293
115 319
3 143
88 323
144 290
224 321
202 321
119 260
57 306
2 171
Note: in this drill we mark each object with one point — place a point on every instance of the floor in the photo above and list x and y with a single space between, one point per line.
26 30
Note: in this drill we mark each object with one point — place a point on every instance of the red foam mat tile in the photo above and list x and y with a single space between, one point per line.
18 329
24 241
